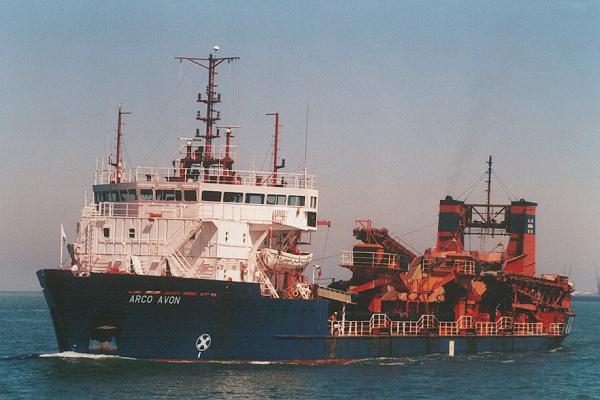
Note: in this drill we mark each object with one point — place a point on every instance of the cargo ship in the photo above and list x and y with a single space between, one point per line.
204 262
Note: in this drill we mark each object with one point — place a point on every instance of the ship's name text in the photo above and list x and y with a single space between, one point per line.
149 299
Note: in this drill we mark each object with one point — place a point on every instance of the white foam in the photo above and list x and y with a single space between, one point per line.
73 354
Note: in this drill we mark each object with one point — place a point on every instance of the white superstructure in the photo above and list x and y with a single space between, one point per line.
200 218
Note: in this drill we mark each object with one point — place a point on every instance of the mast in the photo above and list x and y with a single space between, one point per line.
212 98
227 161
276 149
119 163
489 188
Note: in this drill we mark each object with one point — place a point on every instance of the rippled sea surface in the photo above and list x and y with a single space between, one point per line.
31 368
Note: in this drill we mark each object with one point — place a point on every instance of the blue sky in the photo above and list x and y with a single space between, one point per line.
406 101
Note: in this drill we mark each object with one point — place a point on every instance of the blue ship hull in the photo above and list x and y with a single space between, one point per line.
179 319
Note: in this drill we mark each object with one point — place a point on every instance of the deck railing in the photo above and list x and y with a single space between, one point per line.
536 328
370 259
381 324
504 324
466 267
465 322
557 328
404 328
485 328
236 177
448 328
110 209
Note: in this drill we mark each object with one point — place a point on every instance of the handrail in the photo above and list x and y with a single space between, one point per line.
466 267
485 328
369 259
236 177
465 322
379 321
381 324
448 328
529 328
504 324
557 328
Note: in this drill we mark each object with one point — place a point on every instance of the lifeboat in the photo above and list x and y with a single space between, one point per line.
284 262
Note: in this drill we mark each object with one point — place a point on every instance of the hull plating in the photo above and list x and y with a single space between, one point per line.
205 320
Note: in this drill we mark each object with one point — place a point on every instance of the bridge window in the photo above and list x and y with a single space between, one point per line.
190 195
97 197
255 198
313 201
296 201
231 197
132 195
165 195
123 195
105 196
276 199
146 194
209 195
114 196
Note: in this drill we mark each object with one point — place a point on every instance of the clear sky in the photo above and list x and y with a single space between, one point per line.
406 100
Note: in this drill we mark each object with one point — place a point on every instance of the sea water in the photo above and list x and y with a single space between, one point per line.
31 368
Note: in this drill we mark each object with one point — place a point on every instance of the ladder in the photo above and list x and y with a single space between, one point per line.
266 286
180 264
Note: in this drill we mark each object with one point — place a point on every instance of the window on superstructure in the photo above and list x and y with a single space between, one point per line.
313 202
297 201
231 197
209 195
255 198
178 195
146 194
169 195
530 225
131 233
106 232
190 195
311 218
164 195
276 199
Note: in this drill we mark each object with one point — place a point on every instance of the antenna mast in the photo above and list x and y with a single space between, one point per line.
119 163
489 188
276 149
212 97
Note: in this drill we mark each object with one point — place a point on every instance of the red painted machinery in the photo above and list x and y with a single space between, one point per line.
448 280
